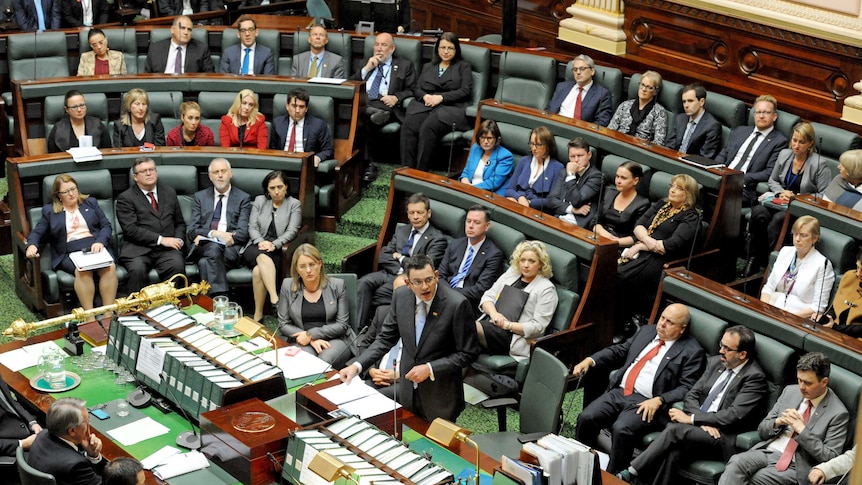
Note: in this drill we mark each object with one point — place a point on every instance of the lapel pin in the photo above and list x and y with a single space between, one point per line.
433 314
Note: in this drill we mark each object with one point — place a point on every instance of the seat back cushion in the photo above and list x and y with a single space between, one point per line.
526 79
37 56
707 329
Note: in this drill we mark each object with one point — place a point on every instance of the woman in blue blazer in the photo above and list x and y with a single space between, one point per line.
489 164
75 222
535 174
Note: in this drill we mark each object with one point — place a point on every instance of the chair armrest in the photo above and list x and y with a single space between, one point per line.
500 402
678 405
360 261
7 461
327 166
745 441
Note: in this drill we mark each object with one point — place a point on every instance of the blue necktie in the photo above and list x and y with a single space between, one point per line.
420 320
407 247
686 139
245 60
374 92
40 15
464 269
216 214
716 390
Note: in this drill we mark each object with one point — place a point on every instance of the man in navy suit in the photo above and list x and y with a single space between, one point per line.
728 399
317 61
179 54
473 263
695 131
260 58
435 326
577 187
308 133
153 227
219 226
27 16
753 151
582 99
657 367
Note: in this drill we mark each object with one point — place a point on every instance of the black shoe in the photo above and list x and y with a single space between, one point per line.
751 267
380 117
370 174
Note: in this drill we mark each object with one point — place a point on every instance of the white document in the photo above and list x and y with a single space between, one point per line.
255 344
371 405
85 154
342 393
18 359
182 464
140 430
303 364
159 457
151 360
87 261
326 80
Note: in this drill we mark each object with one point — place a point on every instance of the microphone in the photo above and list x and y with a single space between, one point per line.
395 401
687 274
186 439
275 465
813 326
451 153
744 297
338 357
595 236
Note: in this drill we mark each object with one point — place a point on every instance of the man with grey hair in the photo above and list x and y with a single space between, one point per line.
67 450
582 99
219 226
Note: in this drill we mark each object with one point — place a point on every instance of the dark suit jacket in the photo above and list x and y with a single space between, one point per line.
823 437
197 57
488 264
336 306
72 13
238 211
455 86
678 372
24 12
706 139
52 455
169 8
124 136
12 427
62 137
762 161
585 190
448 342
315 136
432 243
595 107
402 81
743 403
53 225
231 60
142 226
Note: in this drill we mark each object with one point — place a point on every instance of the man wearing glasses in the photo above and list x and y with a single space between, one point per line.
317 61
582 99
248 57
153 227
730 398
753 150
435 327
179 54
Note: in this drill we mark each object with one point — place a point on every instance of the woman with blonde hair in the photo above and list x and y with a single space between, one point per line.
137 125
75 222
313 311
529 272
643 117
244 125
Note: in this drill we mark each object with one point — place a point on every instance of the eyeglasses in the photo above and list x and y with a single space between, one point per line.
487 138
68 191
426 281
532 144
145 171
763 113
77 106
647 87
581 69
726 348
246 31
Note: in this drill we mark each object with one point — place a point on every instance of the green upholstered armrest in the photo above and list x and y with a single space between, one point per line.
745 441
327 166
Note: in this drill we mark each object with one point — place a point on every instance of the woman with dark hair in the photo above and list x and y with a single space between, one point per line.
643 117
244 125
535 174
100 60
845 314
137 125
489 164
190 132
75 222
665 232
274 221
69 130
623 206
313 311
442 95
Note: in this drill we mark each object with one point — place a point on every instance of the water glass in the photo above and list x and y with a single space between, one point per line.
122 409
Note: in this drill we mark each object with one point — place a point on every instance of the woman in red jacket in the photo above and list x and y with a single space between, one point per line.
243 125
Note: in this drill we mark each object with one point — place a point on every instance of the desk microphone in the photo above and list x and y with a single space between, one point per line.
595 236
687 274
186 439
139 397
812 325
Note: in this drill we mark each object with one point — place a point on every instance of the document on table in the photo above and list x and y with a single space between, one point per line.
303 364
140 430
181 464
159 457
343 393
26 356
371 405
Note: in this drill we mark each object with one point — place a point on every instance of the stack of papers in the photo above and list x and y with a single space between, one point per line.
180 464
359 399
26 356
88 261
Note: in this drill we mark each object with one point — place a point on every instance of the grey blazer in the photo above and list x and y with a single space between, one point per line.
815 177
288 218
334 297
331 65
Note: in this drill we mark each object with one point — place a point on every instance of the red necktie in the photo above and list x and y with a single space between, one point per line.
633 375
292 143
578 104
790 450
153 201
